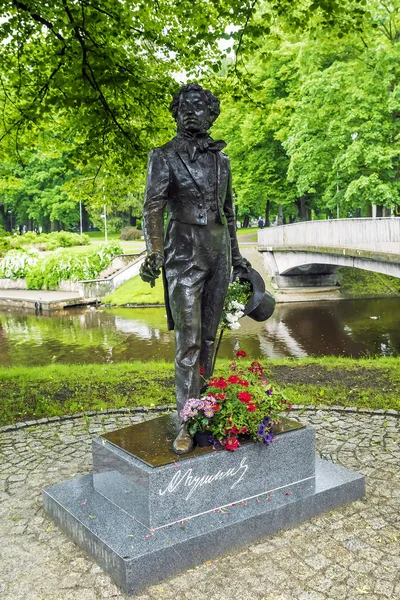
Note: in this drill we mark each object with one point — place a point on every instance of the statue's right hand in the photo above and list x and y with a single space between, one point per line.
151 267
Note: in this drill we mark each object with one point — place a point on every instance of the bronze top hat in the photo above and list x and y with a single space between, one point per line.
261 304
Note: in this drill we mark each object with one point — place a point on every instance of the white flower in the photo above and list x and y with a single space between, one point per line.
235 325
231 318
236 305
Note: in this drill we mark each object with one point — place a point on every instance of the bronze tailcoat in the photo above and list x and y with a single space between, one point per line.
199 248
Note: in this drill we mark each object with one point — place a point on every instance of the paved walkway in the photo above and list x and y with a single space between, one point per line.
45 299
348 554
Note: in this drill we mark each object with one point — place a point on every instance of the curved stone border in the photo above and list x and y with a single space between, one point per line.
168 407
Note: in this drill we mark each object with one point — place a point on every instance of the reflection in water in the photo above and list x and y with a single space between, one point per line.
87 335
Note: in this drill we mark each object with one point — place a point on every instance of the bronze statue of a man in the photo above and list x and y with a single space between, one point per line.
190 178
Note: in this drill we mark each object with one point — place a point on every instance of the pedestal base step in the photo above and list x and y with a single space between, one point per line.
137 557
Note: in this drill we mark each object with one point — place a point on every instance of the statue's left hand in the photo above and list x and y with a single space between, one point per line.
240 266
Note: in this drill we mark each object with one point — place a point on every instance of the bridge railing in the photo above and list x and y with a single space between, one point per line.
380 234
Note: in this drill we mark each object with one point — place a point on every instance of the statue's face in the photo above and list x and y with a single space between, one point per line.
193 113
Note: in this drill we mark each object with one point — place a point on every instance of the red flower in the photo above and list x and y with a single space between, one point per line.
221 396
244 397
240 354
216 407
244 382
244 430
219 383
202 371
251 407
233 379
232 366
231 444
234 430
256 366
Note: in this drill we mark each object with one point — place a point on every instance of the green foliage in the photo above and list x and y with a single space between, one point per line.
86 88
48 271
130 233
312 118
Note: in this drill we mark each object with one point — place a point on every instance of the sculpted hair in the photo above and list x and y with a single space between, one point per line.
211 100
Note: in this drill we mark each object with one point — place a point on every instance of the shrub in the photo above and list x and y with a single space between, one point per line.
16 263
51 241
4 245
130 233
62 265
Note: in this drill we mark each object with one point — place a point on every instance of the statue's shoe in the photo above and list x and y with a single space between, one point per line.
183 442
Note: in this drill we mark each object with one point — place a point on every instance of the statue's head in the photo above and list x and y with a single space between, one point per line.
194 109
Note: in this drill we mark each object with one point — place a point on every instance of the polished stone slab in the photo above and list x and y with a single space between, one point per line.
151 441
136 557
199 483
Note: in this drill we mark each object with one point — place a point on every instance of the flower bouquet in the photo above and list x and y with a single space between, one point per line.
240 406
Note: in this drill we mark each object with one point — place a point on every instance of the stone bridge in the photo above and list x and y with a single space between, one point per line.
308 253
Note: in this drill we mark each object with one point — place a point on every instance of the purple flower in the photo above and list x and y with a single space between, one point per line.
261 430
267 439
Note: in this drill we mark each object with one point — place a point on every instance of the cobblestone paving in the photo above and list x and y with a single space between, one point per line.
350 553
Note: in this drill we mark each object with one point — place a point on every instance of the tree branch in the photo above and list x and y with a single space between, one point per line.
39 19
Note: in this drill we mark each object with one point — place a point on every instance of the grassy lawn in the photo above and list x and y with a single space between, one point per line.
246 230
136 291
55 390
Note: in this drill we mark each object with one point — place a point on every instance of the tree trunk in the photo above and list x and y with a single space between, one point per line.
132 221
5 218
379 211
303 210
246 221
267 222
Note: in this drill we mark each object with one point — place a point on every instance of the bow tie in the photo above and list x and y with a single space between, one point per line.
196 145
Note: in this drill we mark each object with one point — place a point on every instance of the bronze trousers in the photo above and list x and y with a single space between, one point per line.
197 269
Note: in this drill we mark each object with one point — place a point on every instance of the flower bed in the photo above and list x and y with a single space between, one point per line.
240 406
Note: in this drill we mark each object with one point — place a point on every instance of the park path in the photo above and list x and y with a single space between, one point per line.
348 554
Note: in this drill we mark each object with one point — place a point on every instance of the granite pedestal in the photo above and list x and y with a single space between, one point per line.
144 515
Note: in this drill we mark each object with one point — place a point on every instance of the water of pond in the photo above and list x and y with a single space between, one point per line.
347 328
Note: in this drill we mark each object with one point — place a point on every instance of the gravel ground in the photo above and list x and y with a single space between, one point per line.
347 554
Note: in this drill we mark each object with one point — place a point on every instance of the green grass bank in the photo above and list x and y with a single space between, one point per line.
55 390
